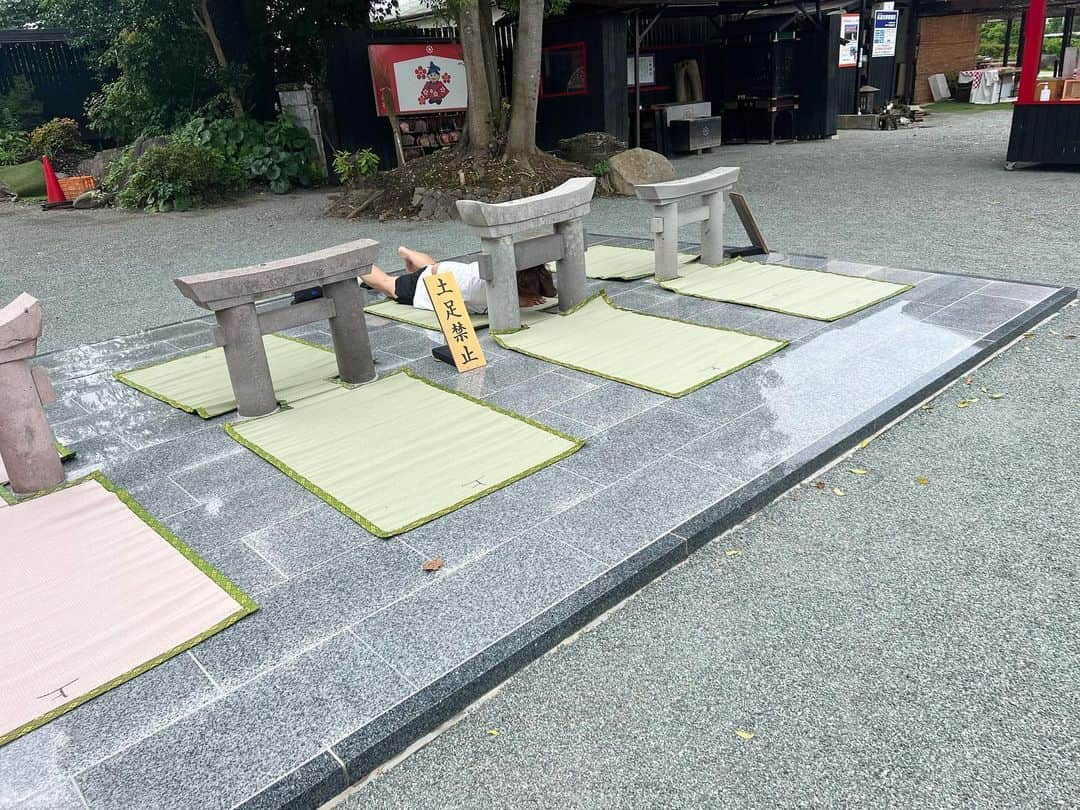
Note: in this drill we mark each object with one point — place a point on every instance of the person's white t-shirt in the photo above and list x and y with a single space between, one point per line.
473 289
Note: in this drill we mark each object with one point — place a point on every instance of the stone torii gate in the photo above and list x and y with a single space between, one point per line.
27 444
233 294
501 257
702 197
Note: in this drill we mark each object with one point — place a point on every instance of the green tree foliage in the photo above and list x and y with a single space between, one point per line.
304 32
992 38
161 60
17 13
165 61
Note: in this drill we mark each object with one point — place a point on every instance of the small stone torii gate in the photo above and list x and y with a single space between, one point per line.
702 197
27 444
501 257
233 294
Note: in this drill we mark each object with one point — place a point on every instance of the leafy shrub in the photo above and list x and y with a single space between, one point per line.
178 177
280 153
57 137
14 147
123 111
602 168
350 166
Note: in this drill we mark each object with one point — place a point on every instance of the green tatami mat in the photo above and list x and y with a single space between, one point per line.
658 354
399 452
806 293
425 318
199 382
610 262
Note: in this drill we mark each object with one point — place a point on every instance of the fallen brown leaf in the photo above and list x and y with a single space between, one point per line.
433 565
819 484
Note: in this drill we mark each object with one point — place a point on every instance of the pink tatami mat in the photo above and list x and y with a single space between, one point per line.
92 594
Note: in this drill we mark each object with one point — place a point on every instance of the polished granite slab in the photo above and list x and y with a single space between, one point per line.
356 651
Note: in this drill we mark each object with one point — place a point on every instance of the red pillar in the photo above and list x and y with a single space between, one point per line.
1034 26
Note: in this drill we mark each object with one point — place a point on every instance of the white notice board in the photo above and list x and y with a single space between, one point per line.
885 23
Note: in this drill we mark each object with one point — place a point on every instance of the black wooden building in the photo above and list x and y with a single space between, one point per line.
767 67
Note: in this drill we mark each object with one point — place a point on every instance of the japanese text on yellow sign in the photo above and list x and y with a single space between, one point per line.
454 321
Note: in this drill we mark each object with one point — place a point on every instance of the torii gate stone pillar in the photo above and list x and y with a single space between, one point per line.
501 257
27 444
702 197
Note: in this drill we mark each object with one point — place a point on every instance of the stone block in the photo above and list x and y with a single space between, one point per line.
637 166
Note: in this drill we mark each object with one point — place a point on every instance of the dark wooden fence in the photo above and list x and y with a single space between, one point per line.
55 69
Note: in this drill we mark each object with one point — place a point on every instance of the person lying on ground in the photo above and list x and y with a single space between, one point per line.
534 283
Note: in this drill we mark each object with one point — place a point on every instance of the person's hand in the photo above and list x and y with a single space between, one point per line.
530 300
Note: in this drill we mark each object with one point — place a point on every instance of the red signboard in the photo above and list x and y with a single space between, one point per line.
421 77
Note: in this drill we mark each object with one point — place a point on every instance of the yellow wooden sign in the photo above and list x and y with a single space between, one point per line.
454 321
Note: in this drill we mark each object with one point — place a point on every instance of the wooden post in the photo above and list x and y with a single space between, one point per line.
391 112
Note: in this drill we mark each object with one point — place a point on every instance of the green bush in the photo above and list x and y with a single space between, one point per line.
123 111
178 177
350 166
280 153
14 147
57 137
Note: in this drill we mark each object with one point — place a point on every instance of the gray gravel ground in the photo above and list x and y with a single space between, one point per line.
906 644
934 198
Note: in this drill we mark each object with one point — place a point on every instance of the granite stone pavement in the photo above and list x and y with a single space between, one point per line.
355 651
905 645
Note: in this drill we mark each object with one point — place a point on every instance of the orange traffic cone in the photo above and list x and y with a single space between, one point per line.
55 194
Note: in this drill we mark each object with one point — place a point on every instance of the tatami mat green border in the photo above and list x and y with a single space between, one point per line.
576 443
120 376
247 604
903 288
603 294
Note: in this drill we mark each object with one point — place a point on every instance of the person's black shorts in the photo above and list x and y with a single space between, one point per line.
405 287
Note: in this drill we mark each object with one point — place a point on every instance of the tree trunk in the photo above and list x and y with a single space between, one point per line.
491 58
478 116
200 9
521 141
